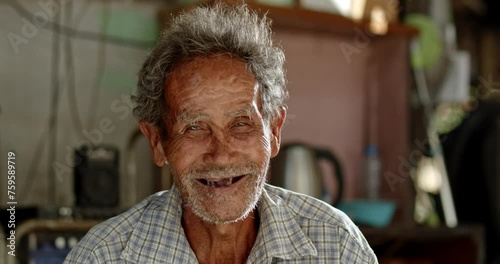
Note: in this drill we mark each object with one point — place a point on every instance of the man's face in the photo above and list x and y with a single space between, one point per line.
218 143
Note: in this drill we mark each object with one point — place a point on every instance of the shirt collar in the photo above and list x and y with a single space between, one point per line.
159 236
280 236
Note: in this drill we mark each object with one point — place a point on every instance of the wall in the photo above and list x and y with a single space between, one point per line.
344 102
26 90
326 106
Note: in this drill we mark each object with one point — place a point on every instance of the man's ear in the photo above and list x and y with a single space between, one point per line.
276 125
152 133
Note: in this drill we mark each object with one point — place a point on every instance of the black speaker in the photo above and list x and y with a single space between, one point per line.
96 182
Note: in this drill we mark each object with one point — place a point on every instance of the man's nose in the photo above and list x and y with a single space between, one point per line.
220 150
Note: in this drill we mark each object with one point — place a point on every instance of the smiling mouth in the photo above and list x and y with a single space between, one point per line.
221 182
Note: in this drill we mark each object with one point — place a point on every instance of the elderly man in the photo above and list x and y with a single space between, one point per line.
211 102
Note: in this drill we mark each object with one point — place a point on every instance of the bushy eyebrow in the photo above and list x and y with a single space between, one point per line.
190 118
245 111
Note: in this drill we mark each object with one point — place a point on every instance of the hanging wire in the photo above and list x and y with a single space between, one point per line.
79 34
100 68
54 107
74 112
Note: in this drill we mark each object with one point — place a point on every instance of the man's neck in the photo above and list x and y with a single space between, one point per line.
223 243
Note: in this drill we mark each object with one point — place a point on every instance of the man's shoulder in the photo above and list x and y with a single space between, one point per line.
112 235
321 221
307 207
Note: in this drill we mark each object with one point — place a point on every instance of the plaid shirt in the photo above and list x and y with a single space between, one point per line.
294 228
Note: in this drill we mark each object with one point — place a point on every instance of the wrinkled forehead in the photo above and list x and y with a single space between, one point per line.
209 78
216 61
218 67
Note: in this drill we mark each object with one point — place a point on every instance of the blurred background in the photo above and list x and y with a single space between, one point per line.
393 117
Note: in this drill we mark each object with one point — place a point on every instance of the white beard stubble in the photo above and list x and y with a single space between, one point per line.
201 203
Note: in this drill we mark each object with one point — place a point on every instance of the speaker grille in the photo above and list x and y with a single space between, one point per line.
96 181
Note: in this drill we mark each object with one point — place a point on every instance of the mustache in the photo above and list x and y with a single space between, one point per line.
213 171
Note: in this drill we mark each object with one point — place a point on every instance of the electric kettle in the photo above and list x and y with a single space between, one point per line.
296 168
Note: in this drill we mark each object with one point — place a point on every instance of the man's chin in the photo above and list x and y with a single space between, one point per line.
223 214
224 220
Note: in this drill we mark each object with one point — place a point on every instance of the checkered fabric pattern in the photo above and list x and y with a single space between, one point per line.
294 228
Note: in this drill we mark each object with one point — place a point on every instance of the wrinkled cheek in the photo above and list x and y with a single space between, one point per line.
179 156
189 190
265 144
172 148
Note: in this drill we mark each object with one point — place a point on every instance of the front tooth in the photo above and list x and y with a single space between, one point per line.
211 183
230 181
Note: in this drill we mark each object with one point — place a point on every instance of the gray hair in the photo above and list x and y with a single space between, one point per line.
211 30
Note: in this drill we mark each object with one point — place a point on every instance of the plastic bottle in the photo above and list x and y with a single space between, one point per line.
372 172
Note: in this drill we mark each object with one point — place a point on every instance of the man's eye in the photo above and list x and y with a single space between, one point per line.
240 124
242 127
193 127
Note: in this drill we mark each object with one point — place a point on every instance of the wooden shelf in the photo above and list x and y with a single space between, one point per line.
298 18
463 244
